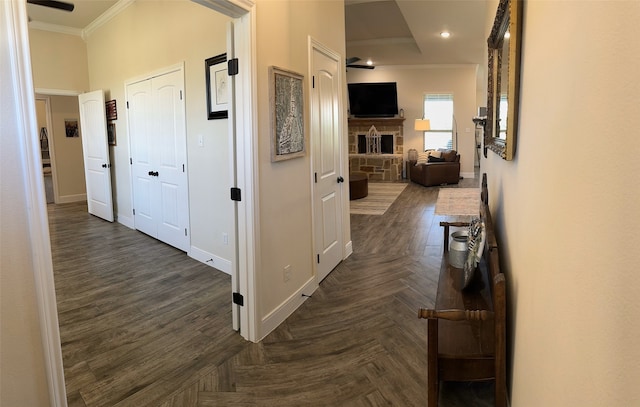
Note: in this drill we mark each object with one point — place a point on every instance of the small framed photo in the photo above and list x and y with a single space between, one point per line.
217 82
111 109
71 128
286 102
111 134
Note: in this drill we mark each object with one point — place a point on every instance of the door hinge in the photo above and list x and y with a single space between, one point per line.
313 82
185 231
238 299
127 104
134 211
180 95
232 66
315 177
318 259
130 161
236 194
182 167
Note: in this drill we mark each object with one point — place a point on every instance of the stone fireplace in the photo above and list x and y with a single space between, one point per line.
386 166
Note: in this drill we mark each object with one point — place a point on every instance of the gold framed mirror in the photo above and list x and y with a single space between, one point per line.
503 80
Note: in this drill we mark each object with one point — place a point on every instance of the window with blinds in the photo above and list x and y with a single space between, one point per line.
438 108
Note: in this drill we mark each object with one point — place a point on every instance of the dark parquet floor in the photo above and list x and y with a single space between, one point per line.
142 324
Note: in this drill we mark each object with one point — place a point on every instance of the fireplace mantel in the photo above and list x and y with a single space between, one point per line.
376 121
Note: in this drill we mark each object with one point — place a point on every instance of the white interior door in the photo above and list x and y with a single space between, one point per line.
140 123
328 182
156 118
170 141
97 166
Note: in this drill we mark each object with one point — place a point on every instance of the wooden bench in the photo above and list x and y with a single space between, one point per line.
466 330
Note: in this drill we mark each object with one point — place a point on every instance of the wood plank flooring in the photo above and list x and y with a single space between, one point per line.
142 324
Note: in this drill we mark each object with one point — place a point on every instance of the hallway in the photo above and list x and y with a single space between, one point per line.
142 324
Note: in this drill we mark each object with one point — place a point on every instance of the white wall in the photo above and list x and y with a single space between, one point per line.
566 208
413 83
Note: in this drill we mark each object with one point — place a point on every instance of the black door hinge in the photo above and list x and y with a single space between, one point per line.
238 299
232 66
313 82
315 177
236 195
318 259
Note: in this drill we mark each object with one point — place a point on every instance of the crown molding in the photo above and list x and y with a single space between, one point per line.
62 29
105 17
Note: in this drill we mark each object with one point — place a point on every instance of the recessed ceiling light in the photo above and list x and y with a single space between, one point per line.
369 62
445 34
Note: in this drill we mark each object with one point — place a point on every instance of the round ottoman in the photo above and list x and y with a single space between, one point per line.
358 186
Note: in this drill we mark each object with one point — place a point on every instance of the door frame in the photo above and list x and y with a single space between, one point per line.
243 12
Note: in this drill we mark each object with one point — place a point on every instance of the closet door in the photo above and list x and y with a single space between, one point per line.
171 153
142 154
158 157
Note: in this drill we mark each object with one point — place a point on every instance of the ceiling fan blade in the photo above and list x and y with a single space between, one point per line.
361 66
60 5
352 60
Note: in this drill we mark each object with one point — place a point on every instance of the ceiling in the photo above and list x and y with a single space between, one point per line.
389 32
407 32
85 12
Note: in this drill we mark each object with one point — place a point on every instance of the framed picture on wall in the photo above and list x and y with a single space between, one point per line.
111 134
217 83
71 128
287 110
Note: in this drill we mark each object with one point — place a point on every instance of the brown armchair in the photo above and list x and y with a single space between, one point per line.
436 173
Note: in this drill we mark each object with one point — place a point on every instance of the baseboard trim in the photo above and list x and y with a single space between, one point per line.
210 259
71 198
348 249
272 320
467 175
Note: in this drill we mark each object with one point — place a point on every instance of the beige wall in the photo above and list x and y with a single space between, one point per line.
22 365
413 83
136 43
59 61
285 210
566 209
69 163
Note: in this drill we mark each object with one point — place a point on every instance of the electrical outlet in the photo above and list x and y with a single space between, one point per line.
225 238
287 273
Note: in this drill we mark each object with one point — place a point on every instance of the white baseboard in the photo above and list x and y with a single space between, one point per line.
467 174
209 259
71 198
348 249
282 312
126 221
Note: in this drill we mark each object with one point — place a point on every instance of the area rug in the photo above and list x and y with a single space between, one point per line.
458 201
381 196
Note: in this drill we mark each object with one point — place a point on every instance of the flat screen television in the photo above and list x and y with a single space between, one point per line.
375 99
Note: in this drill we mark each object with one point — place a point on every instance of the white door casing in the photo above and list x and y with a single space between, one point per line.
327 172
95 150
156 116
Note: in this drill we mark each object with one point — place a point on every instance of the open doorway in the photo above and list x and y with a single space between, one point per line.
46 149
